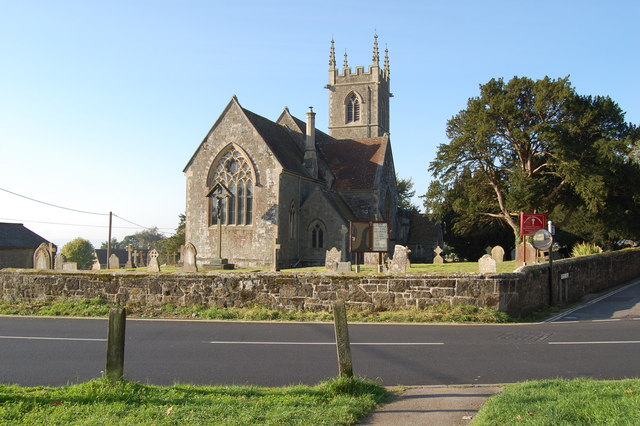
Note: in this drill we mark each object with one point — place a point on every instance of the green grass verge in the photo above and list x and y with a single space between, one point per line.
100 308
564 402
418 268
98 402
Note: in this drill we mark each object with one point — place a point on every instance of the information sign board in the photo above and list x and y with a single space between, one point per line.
369 236
531 222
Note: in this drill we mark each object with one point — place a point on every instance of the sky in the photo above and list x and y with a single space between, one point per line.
102 104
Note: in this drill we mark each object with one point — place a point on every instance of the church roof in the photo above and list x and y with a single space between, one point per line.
17 236
281 143
354 162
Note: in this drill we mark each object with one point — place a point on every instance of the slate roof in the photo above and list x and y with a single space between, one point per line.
281 143
354 162
17 236
122 254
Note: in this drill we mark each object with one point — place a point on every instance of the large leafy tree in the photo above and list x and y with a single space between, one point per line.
405 192
80 251
537 146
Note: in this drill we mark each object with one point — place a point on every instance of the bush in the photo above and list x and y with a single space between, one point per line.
585 249
80 251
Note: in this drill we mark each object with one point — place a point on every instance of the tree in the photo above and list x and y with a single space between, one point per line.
537 146
405 192
114 244
80 251
172 244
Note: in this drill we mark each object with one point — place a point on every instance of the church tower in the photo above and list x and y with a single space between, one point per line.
359 102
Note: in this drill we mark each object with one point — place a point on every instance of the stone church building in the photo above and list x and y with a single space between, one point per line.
285 191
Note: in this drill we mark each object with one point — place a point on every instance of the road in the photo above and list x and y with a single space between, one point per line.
46 351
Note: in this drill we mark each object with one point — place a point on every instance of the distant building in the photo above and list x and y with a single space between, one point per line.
292 189
17 245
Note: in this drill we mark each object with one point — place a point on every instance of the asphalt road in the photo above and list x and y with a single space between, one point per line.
46 351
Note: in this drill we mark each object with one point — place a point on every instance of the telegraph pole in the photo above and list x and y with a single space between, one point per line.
109 240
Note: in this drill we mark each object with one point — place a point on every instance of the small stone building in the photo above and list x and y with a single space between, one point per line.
285 191
17 245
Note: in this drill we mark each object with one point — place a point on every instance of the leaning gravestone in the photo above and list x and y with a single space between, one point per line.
42 257
332 258
59 262
530 255
438 258
153 265
400 262
189 257
114 262
498 254
487 264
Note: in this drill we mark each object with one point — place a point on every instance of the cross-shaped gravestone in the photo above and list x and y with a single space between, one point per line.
129 263
438 258
153 266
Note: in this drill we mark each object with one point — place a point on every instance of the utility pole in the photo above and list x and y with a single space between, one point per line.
109 240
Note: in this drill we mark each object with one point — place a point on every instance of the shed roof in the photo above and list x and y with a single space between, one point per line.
16 235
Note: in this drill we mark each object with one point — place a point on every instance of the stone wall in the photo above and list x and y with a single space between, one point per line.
515 293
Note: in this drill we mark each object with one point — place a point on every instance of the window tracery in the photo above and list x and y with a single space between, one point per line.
234 171
353 108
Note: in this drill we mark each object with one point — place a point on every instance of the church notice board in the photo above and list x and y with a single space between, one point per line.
369 236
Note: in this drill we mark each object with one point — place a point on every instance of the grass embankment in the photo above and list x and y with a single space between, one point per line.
564 402
338 401
100 308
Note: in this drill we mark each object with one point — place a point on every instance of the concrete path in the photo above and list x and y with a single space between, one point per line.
433 406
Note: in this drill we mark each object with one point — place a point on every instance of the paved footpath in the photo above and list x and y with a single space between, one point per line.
433 406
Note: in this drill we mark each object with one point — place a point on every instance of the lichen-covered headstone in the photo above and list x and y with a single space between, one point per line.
487 264
189 258
438 258
70 266
332 258
400 261
59 262
42 257
498 254
343 267
153 265
114 262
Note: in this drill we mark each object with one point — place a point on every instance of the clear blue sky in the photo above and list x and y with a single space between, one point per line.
103 103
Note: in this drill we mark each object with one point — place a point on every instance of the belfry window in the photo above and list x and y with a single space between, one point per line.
353 109
234 172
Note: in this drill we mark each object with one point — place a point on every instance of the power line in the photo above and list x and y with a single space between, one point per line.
53 205
128 221
74 224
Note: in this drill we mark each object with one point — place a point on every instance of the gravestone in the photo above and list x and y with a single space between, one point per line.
487 264
530 253
400 261
498 254
343 267
189 258
70 266
181 255
332 258
487 250
42 257
153 265
438 258
130 263
114 262
96 263
59 262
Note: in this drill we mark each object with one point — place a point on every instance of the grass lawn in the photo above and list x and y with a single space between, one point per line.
338 401
564 402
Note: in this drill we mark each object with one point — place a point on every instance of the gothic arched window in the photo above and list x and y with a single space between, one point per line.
233 171
317 235
353 108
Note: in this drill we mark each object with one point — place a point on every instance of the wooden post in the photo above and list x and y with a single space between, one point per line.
115 344
345 368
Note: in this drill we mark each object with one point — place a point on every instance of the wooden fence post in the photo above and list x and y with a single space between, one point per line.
115 344
345 367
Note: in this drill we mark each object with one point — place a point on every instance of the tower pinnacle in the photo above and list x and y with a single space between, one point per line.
346 63
386 61
376 56
332 55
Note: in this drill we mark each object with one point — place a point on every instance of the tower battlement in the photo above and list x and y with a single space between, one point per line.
359 101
